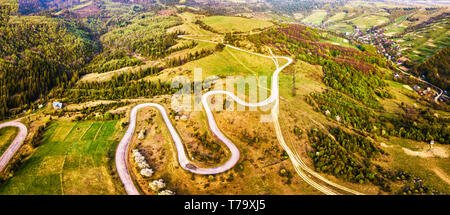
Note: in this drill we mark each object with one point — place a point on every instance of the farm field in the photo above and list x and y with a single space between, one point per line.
337 41
341 28
7 135
189 25
316 17
72 159
337 17
365 22
423 43
397 27
235 24
233 62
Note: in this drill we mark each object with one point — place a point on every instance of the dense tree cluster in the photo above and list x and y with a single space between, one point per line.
36 54
110 60
294 6
412 123
145 34
114 90
180 60
335 104
417 124
436 69
347 156
348 70
214 152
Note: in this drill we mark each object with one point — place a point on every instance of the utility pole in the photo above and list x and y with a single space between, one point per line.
293 83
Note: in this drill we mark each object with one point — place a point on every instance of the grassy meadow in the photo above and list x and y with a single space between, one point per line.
424 42
72 159
7 135
316 17
225 24
365 22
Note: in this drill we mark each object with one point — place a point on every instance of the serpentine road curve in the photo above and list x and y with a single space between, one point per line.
124 145
15 144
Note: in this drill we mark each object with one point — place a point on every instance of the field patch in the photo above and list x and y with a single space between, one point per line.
366 22
72 159
7 135
423 43
316 17
235 24
337 17
341 28
233 62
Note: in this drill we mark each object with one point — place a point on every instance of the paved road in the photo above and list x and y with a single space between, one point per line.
123 148
124 145
426 82
16 143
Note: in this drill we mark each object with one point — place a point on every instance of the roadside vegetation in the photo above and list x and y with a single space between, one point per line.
7 135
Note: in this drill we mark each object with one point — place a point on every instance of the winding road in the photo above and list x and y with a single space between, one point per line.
426 82
16 143
301 168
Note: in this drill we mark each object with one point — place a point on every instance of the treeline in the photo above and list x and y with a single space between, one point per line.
112 60
205 26
180 60
36 54
124 91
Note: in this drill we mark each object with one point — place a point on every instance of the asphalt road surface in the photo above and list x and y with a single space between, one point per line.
301 168
16 143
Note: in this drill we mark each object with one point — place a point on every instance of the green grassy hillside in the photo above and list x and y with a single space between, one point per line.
73 158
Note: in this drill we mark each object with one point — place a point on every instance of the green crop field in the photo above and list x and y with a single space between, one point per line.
341 28
316 17
396 27
7 135
425 42
233 62
337 41
365 22
235 24
72 159
337 17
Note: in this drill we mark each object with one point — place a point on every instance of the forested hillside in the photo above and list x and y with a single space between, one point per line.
348 70
146 35
436 69
38 53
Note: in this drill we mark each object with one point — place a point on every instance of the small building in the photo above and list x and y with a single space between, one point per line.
57 105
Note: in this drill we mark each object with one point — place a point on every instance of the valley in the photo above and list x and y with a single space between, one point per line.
260 98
